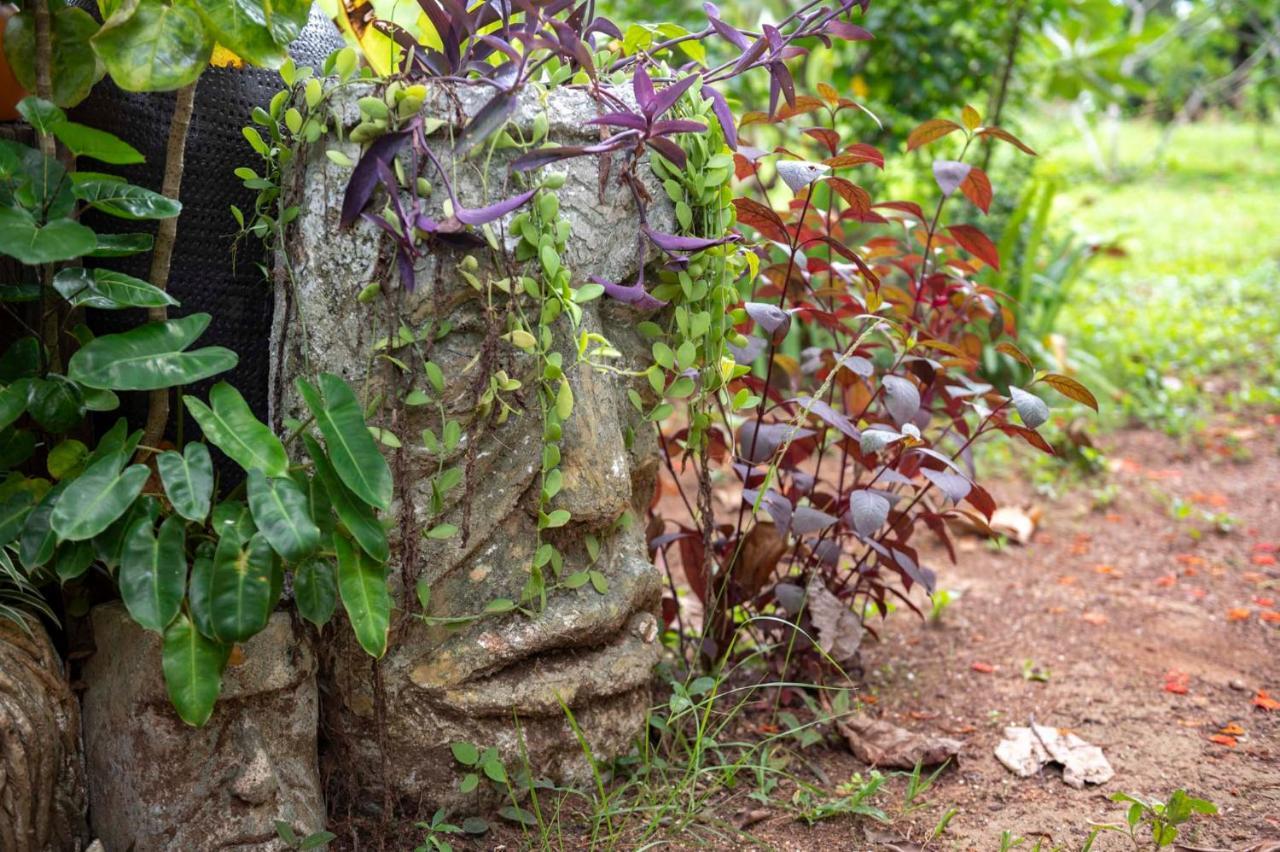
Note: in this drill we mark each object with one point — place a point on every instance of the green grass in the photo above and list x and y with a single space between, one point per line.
1189 319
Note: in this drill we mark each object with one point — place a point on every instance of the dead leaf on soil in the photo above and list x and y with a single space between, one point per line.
1097 619
1232 730
984 668
1269 617
1024 751
880 743
1177 682
1264 701
1238 613
761 550
839 629
1223 740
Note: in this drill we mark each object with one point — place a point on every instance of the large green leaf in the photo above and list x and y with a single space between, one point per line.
13 514
233 518
33 182
97 497
192 666
85 141
37 541
285 19
200 588
153 45
153 572
240 590
362 584
108 545
188 480
13 401
124 200
16 446
315 590
75 66
108 290
122 245
33 244
149 357
355 516
280 510
72 559
238 25
55 403
231 427
352 449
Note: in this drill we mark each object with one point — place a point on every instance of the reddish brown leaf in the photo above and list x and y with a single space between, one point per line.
978 244
803 104
855 196
826 136
1071 389
856 155
977 188
931 131
1264 701
762 218
1223 740
1005 136
1031 436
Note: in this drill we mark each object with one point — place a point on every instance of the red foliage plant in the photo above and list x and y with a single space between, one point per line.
843 454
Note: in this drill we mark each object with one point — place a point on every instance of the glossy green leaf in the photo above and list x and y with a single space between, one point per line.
122 245
16 446
38 540
230 426
108 546
192 666
75 66
315 590
32 182
200 586
21 360
233 518
55 403
355 516
33 244
362 583
13 401
97 497
240 590
152 45
67 459
72 559
124 200
14 510
238 25
153 572
85 141
188 480
280 511
351 448
109 290
149 357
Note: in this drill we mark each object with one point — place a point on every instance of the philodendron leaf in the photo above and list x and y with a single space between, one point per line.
124 200
363 586
153 572
355 516
149 357
188 480
315 591
200 587
14 510
280 510
97 497
108 290
154 45
352 449
240 589
37 540
230 426
33 244
192 666
1033 410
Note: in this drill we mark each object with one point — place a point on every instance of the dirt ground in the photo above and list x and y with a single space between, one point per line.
1160 573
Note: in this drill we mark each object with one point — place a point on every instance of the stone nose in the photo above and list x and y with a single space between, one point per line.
255 783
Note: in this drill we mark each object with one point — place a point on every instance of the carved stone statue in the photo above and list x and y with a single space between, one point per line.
158 784
500 680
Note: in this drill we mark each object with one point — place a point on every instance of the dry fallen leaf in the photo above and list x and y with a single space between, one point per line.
1264 701
1232 730
1223 740
880 743
1263 559
1167 580
1176 682
1238 613
985 668
1095 618
839 629
1269 617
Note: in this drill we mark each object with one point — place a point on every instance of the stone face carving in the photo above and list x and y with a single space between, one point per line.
42 792
591 651
158 784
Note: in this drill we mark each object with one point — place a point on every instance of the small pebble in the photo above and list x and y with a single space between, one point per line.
1237 683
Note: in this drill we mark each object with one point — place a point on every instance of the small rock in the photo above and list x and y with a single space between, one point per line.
1238 684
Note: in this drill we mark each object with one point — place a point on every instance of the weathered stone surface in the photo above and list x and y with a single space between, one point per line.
158 784
42 792
592 651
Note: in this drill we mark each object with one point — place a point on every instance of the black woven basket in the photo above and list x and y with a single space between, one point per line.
206 275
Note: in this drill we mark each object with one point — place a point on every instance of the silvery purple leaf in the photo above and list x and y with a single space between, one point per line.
751 351
675 242
953 485
723 114
901 397
758 445
874 440
364 177
829 416
773 320
918 573
631 294
484 215
806 520
857 365
869 510
797 174
778 507
1032 409
950 174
